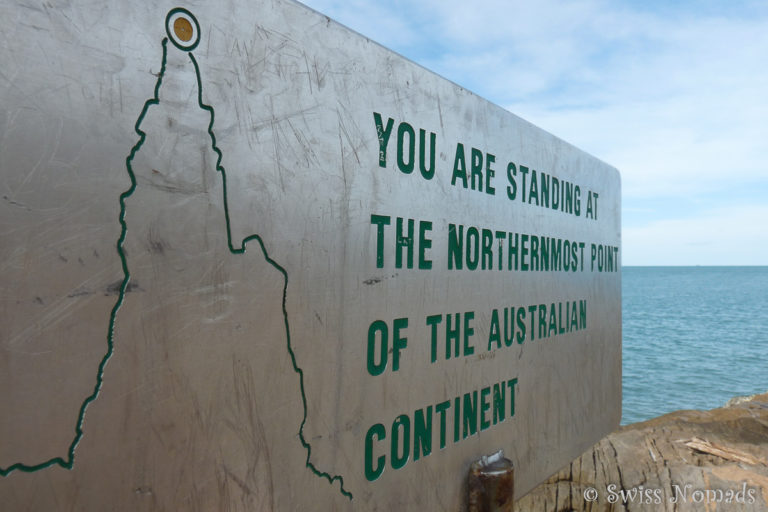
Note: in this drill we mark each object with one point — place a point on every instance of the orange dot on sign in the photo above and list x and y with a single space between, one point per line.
183 29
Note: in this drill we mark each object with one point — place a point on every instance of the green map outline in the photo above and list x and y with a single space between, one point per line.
68 463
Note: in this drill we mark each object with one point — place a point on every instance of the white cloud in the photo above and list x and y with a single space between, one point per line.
734 235
686 117
687 146
672 95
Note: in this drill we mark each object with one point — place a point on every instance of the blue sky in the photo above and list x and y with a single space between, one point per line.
673 94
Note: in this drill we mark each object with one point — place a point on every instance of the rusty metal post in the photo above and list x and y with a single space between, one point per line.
491 486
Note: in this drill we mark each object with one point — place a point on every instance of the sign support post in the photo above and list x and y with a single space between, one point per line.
491 486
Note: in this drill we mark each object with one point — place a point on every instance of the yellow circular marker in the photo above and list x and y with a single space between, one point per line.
183 29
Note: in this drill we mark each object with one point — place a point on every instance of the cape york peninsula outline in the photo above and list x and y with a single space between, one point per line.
183 31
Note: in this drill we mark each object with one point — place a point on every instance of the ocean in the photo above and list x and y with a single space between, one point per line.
693 337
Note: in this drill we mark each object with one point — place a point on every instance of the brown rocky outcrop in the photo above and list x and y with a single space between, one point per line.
686 460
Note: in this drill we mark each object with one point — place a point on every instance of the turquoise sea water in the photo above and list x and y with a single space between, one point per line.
693 337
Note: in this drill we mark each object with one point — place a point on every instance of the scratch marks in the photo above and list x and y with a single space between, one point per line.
17 204
354 146
378 279
68 461
240 250
117 288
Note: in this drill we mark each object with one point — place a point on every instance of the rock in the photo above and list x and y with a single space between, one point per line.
686 460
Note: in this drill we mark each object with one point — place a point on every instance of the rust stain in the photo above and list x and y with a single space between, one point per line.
505 490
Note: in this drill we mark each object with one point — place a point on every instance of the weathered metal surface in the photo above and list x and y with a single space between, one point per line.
203 304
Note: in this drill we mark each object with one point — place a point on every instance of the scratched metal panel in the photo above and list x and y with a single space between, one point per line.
192 276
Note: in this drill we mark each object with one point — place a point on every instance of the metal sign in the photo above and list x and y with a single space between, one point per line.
252 260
